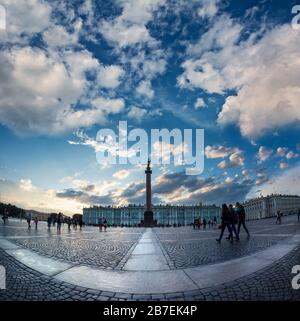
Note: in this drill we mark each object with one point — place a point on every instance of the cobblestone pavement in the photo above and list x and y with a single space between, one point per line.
104 250
185 247
271 283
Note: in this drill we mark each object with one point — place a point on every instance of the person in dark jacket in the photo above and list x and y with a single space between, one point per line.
232 222
225 222
242 218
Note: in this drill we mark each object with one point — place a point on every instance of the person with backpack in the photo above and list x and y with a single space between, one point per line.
240 210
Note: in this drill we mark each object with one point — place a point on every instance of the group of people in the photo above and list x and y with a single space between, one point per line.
198 223
29 219
58 221
230 218
102 223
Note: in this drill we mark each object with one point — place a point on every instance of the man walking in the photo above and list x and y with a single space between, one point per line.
299 215
225 223
242 218
278 219
232 222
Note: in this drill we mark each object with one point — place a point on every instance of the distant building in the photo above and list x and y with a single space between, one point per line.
267 206
132 215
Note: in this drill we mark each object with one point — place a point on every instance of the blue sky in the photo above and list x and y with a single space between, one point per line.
68 69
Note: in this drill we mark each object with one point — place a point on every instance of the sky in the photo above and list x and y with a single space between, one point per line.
70 68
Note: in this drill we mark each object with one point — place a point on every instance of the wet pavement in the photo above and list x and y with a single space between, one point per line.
158 263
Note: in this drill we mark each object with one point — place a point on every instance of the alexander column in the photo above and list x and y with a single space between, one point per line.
148 214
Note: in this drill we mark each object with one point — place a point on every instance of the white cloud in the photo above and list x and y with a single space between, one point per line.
109 76
236 158
25 18
199 73
281 151
266 97
286 182
137 113
283 165
26 185
121 174
130 27
200 103
264 153
217 151
208 8
58 36
38 91
291 155
145 89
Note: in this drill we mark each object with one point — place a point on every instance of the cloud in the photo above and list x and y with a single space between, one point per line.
237 158
264 153
26 185
137 113
38 92
217 151
85 198
265 98
25 18
208 8
200 103
179 188
261 177
291 155
145 89
130 27
281 151
286 182
110 76
121 174
283 165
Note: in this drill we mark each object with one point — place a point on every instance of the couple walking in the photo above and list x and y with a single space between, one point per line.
230 218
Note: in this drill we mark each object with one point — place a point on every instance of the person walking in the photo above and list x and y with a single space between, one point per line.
49 221
105 224
232 222
215 222
240 210
80 224
69 223
278 217
204 224
28 219
36 220
100 223
59 221
299 215
225 222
